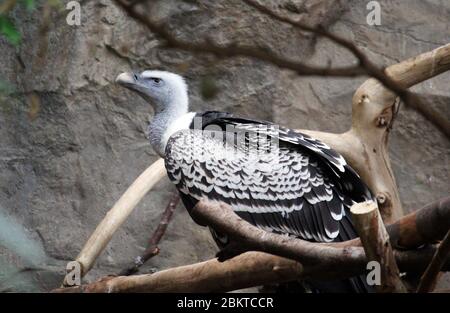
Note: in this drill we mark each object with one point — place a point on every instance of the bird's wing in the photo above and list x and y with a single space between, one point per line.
354 188
287 189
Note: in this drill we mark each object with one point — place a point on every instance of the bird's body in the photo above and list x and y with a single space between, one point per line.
276 179
273 177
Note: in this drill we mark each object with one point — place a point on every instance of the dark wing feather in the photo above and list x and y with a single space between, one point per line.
287 135
352 184
286 190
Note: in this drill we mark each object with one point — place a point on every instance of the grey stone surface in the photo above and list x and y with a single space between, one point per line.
61 171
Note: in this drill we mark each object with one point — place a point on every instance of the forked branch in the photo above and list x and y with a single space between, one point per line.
152 248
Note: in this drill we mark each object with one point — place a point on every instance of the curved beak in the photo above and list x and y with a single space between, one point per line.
127 79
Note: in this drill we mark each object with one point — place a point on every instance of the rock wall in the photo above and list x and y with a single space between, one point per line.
65 163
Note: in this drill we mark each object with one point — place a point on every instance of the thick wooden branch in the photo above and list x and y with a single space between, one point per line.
375 239
373 111
316 261
221 217
246 270
118 214
249 269
426 225
422 67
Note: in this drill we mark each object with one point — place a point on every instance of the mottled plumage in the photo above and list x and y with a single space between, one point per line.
299 186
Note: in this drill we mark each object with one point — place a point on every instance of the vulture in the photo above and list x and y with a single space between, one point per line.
275 178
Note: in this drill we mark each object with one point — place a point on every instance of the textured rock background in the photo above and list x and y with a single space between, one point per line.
61 171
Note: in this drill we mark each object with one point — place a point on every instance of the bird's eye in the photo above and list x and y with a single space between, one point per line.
156 80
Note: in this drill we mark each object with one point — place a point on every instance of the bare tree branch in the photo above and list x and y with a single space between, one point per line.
222 218
365 145
153 248
429 277
235 50
246 270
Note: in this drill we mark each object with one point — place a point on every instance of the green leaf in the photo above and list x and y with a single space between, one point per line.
8 30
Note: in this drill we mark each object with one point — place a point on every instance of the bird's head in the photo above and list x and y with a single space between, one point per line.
163 90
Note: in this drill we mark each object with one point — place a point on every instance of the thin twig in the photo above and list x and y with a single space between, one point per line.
235 50
429 277
152 248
